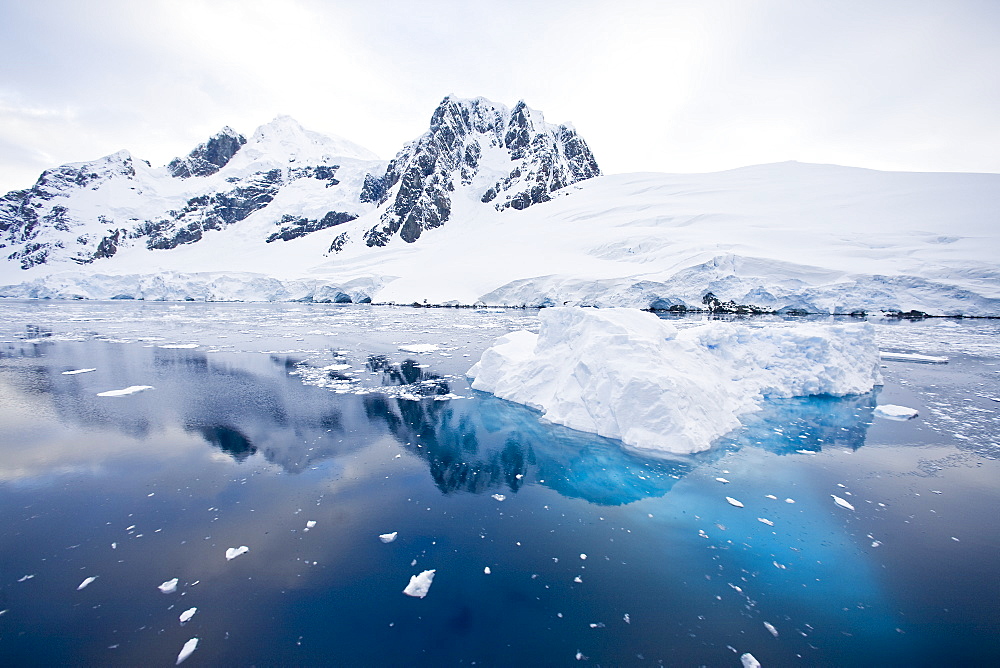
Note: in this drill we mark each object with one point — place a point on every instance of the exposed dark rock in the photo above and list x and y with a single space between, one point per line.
210 157
419 181
293 227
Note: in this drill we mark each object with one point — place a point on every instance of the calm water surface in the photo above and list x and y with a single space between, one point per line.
263 419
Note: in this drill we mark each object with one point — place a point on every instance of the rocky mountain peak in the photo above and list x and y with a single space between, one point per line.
209 157
511 158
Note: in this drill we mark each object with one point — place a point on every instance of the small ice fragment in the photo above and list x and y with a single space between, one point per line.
893 412
499 497
766 521
76 371
955 539
580 656
487 570
628 620
336 367
840 502
388 537
771 496
749 661
187 615
734 502
180 346
597 625
131 389
310 524
770 627
189 647
419 584
419 348
86 582
876 543
25 578
789 500
912 357
168 587
233 552
723 481
578 579
583 556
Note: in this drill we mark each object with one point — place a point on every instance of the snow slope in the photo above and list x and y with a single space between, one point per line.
786 236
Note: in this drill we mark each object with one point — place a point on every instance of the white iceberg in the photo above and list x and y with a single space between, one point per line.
131 389
86 582
627 374
894 412
388 537
749 661
419 584
841 502
76 371
734 502
189 647
168 587
187 615
419 348
233 552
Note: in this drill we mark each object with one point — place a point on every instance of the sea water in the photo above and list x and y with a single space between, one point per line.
305 432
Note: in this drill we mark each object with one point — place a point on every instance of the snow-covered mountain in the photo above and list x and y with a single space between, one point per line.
492 205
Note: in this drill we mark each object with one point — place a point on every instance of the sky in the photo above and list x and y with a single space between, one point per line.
664 85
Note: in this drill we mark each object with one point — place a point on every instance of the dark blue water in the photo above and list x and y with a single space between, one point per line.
240 446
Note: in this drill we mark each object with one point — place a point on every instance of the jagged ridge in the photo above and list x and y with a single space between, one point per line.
417 187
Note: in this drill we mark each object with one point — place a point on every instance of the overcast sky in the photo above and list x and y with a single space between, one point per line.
663 85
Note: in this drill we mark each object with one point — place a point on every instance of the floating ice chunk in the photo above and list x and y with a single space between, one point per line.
25 578
578 580
487 570
723 481
76 371
734 502
841 502
310 524
388 537
189 647
580 656
628 620
336 367
749 661
766 521
597 625
770 627
626 374
131 389
168 587
86 582
583 556
893 412
419 348
499 497
911 357
187 615
789 500
180 346
419 584
233 552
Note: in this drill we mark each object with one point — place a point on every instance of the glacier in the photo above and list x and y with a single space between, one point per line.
493 205
628 375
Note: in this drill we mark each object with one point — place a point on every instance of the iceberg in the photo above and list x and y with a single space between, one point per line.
419 584
626 374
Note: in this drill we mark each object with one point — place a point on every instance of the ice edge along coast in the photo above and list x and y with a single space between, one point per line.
494 206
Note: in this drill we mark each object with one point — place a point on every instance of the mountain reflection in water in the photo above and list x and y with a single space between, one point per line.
247 405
